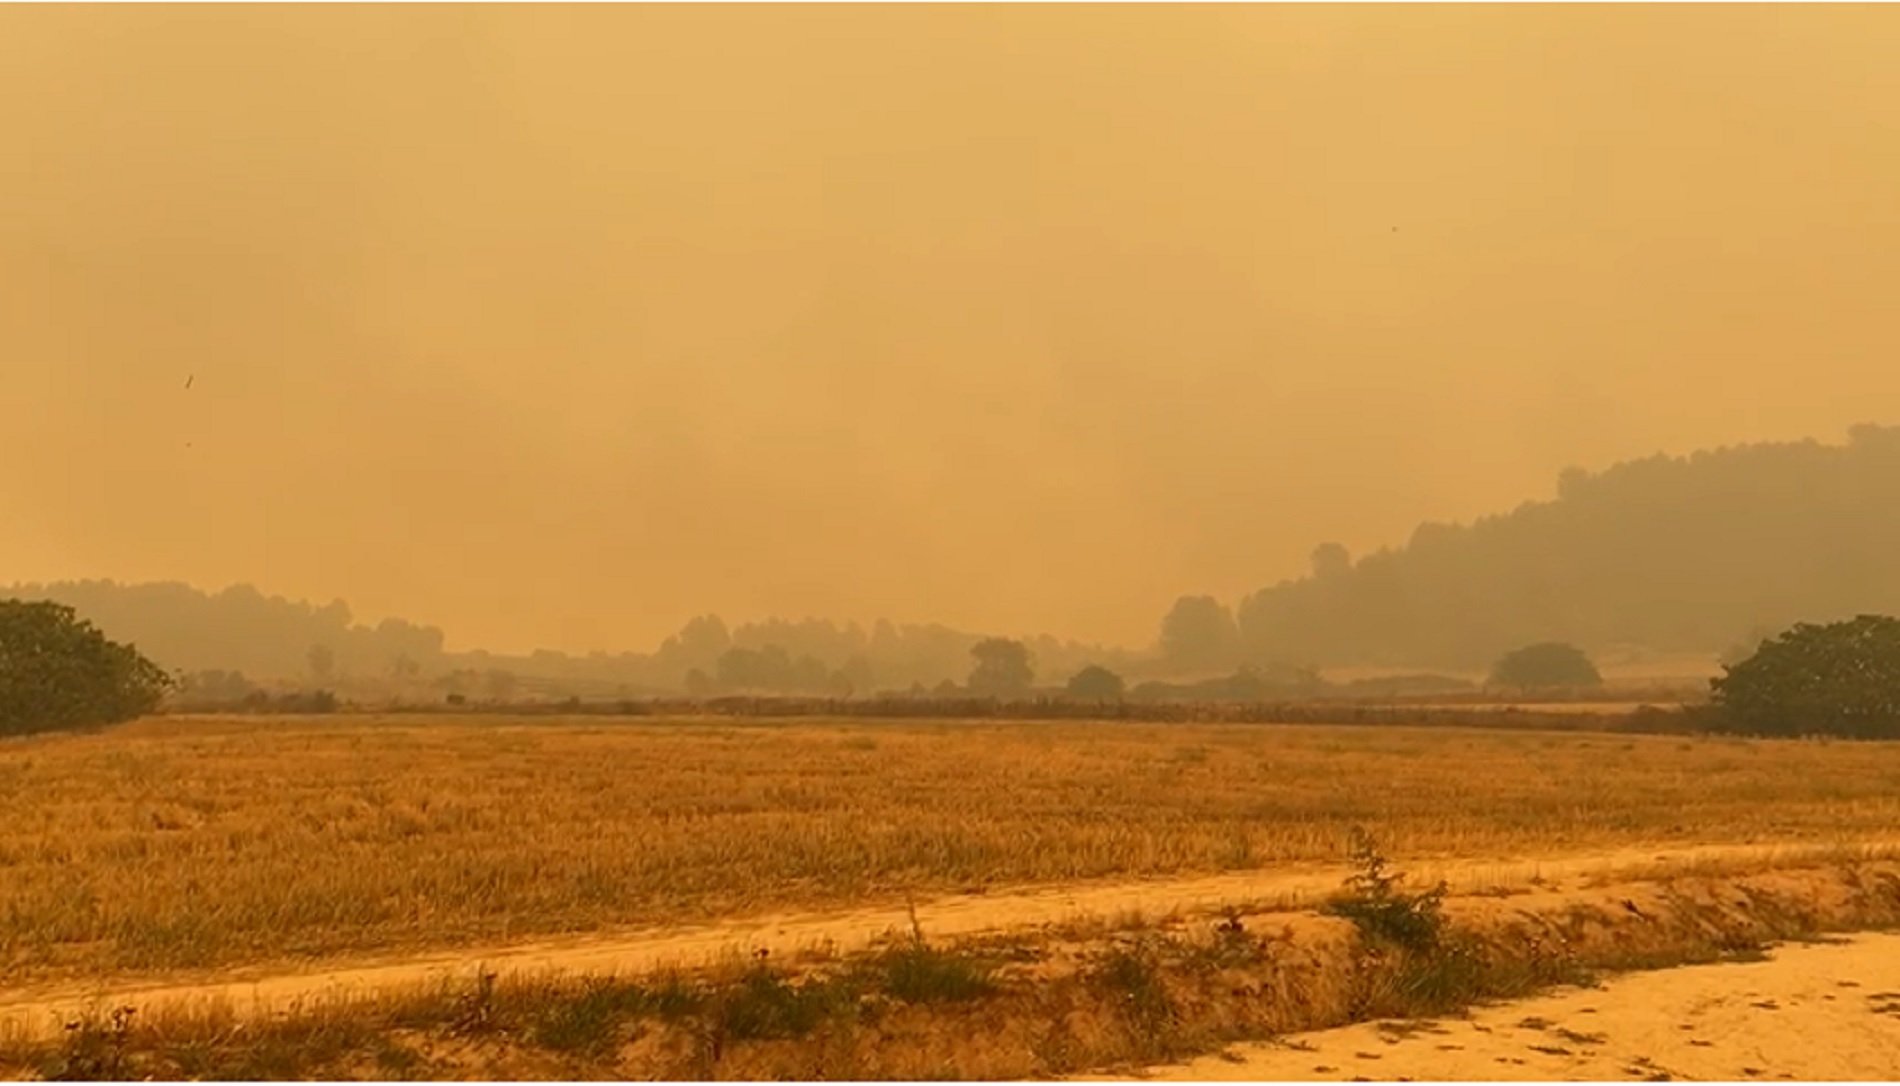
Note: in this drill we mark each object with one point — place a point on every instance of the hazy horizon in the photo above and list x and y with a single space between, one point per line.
558 326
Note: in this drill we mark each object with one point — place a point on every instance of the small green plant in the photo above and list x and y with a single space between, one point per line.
916 972
672 997
1383 912
588 1022
764 1004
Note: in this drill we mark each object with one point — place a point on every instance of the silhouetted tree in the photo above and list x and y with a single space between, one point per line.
322 662
698 645
1548 665
1096 683
1198 633
1839 679
58 671
747 669
1331 560
1003 667
839 685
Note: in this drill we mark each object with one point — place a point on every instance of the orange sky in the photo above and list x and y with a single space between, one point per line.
556 326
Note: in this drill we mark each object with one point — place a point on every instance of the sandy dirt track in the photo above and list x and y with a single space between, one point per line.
1811 1012
42 1008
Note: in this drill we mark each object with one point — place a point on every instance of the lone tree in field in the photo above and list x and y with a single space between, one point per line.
1096 683
1002 667
1546 666
1838 679
1198 634
58 671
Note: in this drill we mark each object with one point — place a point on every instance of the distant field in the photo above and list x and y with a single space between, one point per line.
184 842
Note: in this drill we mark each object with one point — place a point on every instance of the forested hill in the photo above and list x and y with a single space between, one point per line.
1691 553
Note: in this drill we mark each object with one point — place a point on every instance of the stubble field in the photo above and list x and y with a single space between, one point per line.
183 843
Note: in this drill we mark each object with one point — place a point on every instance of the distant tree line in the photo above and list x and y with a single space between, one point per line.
1665 553
280 644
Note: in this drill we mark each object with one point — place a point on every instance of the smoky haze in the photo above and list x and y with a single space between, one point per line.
559 326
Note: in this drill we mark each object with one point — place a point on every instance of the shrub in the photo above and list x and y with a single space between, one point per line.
1095 683
764 1004
917 972
1549 665
1132 979
58 671
1839 679
1381 911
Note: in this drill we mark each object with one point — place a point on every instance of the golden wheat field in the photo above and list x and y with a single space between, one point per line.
184 842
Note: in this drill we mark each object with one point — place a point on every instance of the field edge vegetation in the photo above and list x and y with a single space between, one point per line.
1028 1005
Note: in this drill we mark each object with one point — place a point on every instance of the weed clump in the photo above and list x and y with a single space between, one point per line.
1383 912
764 1004
917 972
589 1022
94 1049
1132 980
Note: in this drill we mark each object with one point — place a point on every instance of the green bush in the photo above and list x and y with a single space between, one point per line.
1546 666
58 671
917 972
1839 679
1096 683
1381 911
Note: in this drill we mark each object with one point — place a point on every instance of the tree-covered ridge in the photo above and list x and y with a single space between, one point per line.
1682 553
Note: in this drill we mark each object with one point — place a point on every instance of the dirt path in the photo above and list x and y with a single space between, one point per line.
1811 1012
38 1009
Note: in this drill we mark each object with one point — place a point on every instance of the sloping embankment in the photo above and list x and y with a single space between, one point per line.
1055 1000
1814 1012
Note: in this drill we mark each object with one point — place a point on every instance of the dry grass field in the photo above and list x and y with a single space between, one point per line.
178 843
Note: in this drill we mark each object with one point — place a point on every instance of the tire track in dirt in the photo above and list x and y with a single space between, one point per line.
44 1008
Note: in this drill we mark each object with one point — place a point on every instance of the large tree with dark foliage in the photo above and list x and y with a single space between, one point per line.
1198 635
1545 666
1004 668
58 671
1842 678
1096 683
